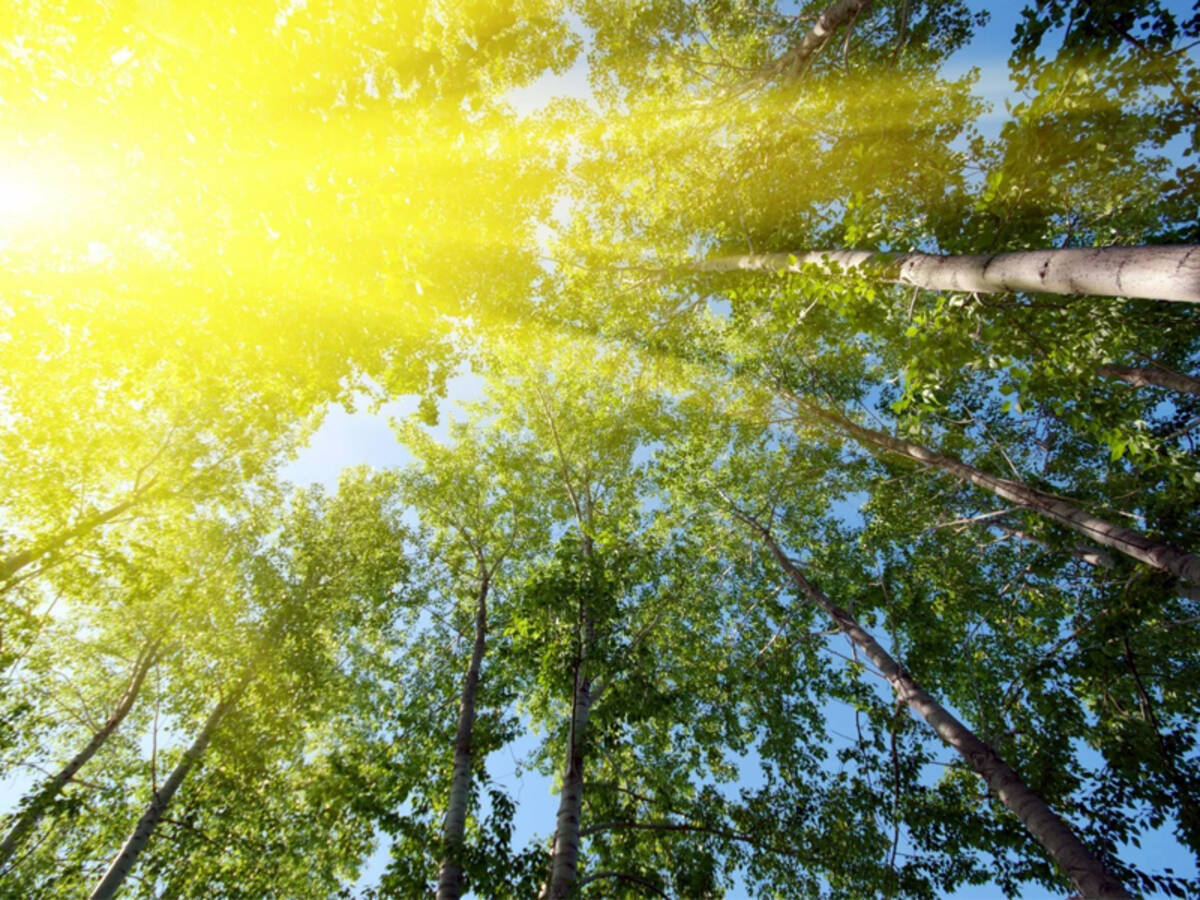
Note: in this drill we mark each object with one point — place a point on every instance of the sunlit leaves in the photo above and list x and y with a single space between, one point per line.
217 220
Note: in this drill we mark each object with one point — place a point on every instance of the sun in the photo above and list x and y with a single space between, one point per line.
21 196
27 197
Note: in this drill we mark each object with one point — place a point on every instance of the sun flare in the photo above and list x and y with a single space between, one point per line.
574 448
22 196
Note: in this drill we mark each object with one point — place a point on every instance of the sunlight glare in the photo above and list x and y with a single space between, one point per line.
20 196
27 197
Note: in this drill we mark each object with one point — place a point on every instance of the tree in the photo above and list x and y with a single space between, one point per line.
1154 553
1153 273
477 498
970 421
34 806
132 417
287 634
127 856
595 482
1088 872
829 363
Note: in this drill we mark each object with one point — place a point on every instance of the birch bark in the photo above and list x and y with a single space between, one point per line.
791 65
127 856
36 808
564 864
564 856
11 565
1155 553
1172 381
1089 874
1151 273
450 874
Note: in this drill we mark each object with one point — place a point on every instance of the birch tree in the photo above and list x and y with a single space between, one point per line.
124 278
1152 273
581 610
289 640
478 498
755 474
592 469
778 259
128 855
1088 872
33 807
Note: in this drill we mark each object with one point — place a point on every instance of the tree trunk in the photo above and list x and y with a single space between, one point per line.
791 65
564 856
1088 873
140 836
1152 552
564 863
1163 378
450 874
1152 273
36 806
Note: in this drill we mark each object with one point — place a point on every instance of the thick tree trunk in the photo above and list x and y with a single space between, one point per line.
1152 552
791 65
140 836
564 864
1163 378
1152 273
1088 873
38 802
450 874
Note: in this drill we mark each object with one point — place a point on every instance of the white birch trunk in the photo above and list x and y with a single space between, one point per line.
1093 556
127 856
10 565
1162 378
791 64
450 874
1151 273
564 864
1157 554
36 807
1088 873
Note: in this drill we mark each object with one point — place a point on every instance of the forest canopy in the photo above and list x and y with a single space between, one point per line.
821 517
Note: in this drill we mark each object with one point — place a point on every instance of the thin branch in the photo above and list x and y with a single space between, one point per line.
726 834
971 520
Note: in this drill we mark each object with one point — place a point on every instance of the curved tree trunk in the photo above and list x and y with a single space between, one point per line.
450 874
1157 554
35 808
1152 273
1089 874
1163 378
124 861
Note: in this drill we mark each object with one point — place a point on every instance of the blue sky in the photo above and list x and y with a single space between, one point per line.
363 437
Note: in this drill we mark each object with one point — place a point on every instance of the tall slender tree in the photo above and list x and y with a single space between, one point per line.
128 855
478 498
1089 873
34 806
